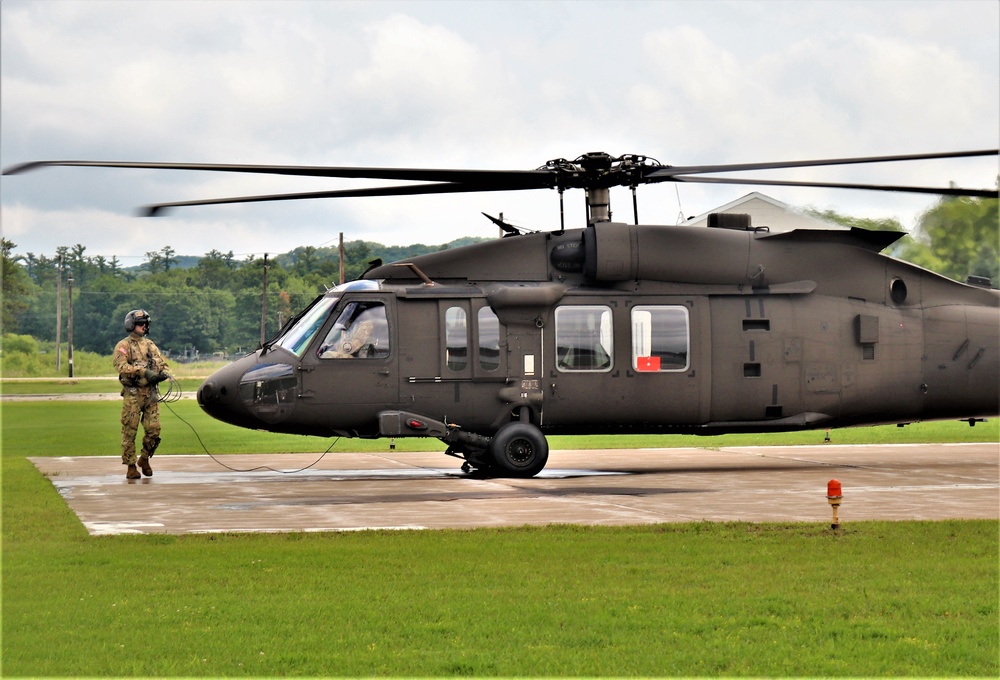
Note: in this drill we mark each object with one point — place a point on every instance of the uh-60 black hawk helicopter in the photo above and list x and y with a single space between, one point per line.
615 327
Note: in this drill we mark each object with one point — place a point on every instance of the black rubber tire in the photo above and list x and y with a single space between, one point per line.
519 450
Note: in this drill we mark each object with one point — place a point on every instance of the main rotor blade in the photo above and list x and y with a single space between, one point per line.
516 179
665 173
407 190
941 191
562 175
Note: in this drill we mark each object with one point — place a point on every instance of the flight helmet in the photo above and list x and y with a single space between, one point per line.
135 317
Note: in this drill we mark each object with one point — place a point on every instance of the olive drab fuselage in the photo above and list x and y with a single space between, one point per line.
626 328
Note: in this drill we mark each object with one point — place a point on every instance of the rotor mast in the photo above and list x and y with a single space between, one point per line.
598 198
597 172
598 205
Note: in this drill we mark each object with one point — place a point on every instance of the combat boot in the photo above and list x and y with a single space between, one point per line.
144 466
132 473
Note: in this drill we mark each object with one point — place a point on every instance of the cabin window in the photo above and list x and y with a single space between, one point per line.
489 339
298 337
456 332
584 339
660 338
360 332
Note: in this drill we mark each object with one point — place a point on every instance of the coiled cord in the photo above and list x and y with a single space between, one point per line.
173 392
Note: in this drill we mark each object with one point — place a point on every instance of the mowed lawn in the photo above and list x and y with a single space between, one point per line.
873 598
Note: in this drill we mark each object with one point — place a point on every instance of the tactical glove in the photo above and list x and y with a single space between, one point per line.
151 376
162 375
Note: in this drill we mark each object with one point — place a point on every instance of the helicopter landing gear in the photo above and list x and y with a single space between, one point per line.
476 460
519 449
479 470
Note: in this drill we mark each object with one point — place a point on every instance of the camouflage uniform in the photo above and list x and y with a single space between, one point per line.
133 356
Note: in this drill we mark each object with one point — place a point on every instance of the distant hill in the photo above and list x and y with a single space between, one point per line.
182 262
374 250
370 250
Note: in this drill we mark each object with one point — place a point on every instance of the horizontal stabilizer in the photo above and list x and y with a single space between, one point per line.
876 241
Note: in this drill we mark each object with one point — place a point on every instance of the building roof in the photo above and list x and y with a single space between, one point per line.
768 212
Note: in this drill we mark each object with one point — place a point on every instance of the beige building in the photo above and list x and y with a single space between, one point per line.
765 211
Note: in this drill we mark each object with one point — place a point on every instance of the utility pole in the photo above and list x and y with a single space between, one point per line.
341 257
69 335
263 306
59 315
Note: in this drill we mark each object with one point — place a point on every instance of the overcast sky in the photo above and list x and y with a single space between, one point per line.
492 85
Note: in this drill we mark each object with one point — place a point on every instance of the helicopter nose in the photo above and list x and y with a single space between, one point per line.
219 396
251 392
212 394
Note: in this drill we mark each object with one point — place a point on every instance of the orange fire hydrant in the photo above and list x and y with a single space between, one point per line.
834 495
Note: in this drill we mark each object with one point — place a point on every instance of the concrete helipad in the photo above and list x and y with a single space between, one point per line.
393 490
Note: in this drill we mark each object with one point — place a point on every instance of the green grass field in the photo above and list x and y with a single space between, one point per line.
28 431
873 598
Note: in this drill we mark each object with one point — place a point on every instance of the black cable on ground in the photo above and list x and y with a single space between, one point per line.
173 394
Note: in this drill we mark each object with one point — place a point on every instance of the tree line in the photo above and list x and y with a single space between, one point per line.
213 303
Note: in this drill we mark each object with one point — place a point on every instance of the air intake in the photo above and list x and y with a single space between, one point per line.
738 221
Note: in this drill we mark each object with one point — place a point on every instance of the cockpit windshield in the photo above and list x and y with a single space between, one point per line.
297 338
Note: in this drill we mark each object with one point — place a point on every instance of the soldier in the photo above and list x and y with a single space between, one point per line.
140 367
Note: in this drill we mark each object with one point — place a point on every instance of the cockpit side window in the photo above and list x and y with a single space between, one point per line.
361 331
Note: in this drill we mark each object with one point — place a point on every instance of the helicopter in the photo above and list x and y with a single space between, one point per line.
614 327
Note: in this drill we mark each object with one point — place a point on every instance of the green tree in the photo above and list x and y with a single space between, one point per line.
153 263
16 286
99 313
957 237
214 270
161 260
168 258
82 267
872 224
41 269
30 262
304 260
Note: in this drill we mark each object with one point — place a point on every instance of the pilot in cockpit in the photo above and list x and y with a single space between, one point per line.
359 332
